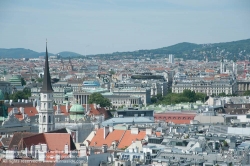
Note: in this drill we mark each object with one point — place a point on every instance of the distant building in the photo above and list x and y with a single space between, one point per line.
171 58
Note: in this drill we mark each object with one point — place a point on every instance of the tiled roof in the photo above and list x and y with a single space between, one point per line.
17 137
54 141
98 140
124 138
57 141
128 138
177 118
99 111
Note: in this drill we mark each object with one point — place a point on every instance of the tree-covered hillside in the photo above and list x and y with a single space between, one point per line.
213 51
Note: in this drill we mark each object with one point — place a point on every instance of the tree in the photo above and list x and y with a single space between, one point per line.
6 96
98 98
23 82
247 93
39 80
189 94
153 99
27 92
18 95
223 94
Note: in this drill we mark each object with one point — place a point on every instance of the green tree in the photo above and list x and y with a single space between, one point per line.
98 98
18 95
223 94
27 92
201 96
6 96
39 80
153 99
23 82
189 94
247 93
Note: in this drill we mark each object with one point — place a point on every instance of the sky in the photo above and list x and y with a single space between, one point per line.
105 26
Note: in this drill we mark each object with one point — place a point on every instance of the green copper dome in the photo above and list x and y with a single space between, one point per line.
77 108
1 95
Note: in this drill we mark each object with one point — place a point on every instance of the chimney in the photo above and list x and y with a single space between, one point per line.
67 107
105 131
97 126
21 110
111 129
18 100
26 101
95 105
22 100
24 115
134 130
66 149
148 131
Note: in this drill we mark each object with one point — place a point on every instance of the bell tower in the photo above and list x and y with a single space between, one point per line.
46 112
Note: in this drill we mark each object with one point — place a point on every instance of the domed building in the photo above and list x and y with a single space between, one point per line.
77 112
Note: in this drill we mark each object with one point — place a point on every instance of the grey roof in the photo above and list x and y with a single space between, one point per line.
46 88
127 120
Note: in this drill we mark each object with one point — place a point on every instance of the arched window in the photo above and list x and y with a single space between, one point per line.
44 105
49 119
44 118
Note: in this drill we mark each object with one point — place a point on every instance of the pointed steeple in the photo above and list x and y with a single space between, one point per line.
47 88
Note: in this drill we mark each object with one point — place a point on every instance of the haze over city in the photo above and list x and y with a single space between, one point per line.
105 26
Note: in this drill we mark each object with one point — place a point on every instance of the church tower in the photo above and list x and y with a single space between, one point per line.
46 112
222 66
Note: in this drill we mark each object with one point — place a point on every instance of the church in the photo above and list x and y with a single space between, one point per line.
44 116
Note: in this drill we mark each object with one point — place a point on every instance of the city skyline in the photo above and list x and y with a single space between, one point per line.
88 27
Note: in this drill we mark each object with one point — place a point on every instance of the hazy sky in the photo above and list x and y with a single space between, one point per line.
105 26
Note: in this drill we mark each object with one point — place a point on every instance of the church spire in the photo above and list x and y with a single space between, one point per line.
46 88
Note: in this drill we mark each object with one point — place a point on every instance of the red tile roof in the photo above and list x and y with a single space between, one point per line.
124 138
177 118
128 138
98 140
54 141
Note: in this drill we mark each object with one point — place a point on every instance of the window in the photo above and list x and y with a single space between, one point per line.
44 118
49 119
